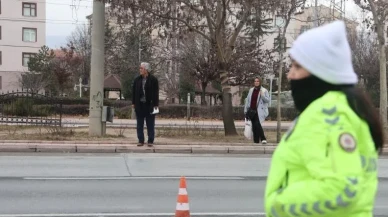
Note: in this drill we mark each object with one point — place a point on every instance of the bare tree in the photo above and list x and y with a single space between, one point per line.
80 42
320 16
32 81
365 51
197 57
219 21
249 61
167 65
138 38
129 51
285 11
379 10
249 58
63 69
39 70
50 72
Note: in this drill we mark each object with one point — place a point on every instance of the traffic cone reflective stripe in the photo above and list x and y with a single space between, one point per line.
182 206
182 191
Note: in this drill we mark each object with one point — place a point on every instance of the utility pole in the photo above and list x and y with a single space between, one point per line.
139 48
96 126
316 24
133 113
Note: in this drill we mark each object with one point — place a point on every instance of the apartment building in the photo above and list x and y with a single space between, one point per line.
22 33
303 22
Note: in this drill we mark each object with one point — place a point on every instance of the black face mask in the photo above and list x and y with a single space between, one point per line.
305 91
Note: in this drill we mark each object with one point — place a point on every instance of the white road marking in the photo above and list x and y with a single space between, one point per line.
134 177
131 214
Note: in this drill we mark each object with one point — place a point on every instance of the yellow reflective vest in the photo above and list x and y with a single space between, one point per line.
325 165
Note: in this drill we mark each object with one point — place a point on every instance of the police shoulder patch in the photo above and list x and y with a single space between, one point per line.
347 142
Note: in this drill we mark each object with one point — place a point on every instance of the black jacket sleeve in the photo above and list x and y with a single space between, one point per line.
156 94
134 91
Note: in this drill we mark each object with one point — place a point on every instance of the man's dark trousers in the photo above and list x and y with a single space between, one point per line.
141 114
257 129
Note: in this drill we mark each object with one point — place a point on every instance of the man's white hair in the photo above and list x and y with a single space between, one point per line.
146 66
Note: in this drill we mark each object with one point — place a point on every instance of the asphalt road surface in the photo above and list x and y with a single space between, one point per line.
137 185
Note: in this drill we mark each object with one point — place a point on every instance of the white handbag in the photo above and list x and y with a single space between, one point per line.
248 129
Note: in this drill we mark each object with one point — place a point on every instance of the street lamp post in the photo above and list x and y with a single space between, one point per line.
271 78
80 85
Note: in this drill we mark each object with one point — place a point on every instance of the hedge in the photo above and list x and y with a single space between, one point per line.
39 105
74 110
207 112
40 100
85 101
43 106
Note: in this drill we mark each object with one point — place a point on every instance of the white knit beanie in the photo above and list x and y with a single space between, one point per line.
325 52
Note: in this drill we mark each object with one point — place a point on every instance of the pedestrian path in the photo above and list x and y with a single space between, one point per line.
173 123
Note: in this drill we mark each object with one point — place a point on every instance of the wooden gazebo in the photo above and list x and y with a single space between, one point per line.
112 83
211 94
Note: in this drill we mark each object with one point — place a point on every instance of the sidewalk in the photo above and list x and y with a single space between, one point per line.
123 147
82 122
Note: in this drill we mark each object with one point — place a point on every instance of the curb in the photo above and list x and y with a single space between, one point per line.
54 147
124 143
119 148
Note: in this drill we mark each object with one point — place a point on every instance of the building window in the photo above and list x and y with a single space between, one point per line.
276 43
304 29
1 58
0 32
280 21
1 83
29 34
26 58
29 9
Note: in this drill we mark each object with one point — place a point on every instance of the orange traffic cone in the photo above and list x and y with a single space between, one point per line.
182 206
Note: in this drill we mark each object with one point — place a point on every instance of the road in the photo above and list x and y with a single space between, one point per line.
106 185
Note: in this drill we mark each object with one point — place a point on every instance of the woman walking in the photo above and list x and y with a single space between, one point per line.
256 110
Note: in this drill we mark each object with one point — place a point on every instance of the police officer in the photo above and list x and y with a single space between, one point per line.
326 164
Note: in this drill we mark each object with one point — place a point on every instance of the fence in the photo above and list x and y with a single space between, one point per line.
29 108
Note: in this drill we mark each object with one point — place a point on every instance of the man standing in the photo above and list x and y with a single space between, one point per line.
256 110
145 98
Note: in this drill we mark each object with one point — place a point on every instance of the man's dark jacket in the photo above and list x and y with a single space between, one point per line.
151 92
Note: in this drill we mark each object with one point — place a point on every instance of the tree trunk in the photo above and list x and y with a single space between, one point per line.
227 107
174 49
383 86
203 94
227 112
279 111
